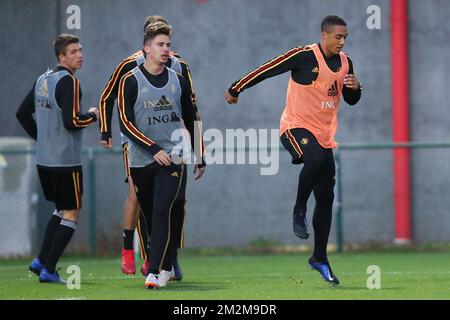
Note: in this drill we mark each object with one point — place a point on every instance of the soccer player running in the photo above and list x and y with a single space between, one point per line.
132 217
55 102
154 102
320 74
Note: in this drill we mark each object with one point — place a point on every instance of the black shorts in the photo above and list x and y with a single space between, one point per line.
295 140
64 188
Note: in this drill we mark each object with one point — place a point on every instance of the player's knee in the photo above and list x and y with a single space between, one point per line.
71 214
325 196
324 191
315 161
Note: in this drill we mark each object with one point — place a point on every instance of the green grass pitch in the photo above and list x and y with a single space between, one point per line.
403 276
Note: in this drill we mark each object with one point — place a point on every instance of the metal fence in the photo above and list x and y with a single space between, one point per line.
344 148
226 219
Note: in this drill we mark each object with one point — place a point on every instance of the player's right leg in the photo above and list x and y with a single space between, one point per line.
38 263
177 225
68 196
143 182
130 212
305 149
324 195
167 182
143 241
48 186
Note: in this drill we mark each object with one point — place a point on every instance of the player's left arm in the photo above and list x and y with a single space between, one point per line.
186 73
68 97
189 114
352 87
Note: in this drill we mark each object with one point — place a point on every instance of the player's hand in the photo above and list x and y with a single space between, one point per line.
230 99
198 172
162 158
95 111
107 144
351 82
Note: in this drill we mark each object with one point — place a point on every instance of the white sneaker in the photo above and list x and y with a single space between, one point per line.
164 277
151 281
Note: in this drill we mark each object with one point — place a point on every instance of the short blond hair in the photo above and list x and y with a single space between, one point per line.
153 19
155 29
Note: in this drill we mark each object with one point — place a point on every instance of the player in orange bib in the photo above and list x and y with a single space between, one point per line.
320 75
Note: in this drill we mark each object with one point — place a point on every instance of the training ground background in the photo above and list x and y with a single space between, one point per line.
403 275
233 205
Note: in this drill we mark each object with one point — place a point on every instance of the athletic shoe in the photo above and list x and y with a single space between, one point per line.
144 268
178 274
151 281
128 266
300 226
324 269
36 266
48 277
164 277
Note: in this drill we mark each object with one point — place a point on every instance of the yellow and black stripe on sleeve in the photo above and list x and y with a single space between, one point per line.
198 135
197 121
175 54
189 77
105 121
77 122
259 72
128 125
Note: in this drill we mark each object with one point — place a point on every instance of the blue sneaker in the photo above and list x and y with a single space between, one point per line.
36 266
300 226
324 270
48 277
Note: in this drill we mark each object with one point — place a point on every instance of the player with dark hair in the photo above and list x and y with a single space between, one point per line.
132 217
320 74
55 102
154 103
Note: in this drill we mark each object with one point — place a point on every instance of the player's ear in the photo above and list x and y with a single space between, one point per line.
61 57
147 46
